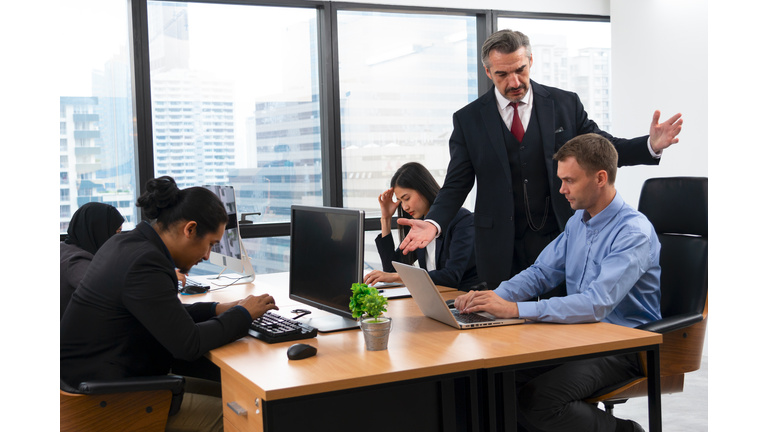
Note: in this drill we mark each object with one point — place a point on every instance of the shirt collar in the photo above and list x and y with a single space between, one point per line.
600 220
146 229
504 102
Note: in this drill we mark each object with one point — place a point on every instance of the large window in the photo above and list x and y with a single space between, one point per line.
235 101
401 78
266 98
572 55
96 143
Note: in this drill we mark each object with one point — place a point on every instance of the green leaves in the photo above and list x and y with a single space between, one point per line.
366 300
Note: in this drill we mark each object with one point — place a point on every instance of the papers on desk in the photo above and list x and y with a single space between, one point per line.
394 293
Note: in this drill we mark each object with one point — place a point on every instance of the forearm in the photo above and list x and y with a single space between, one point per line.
386 226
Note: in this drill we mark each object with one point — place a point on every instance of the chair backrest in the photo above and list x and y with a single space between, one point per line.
677 208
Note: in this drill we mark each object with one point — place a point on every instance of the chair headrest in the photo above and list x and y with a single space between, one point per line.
676 204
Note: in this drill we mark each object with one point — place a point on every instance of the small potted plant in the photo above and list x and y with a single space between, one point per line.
367 305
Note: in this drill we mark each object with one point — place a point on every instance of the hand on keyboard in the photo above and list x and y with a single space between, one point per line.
258 305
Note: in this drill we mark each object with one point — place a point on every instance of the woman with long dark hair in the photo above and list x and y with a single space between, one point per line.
450 258
125 318
90 227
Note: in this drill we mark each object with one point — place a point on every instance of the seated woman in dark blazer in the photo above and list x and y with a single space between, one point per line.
450 258
90 227
125 318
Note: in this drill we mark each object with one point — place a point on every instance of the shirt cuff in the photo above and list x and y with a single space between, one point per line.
213 308
527 310
437 225
653 153
245 311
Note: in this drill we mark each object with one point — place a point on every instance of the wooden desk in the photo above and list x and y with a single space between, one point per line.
432 376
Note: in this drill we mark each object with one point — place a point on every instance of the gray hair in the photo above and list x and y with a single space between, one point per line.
505 42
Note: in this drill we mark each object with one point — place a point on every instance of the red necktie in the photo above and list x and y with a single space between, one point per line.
517 125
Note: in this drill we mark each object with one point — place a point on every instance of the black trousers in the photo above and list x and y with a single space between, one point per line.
550 399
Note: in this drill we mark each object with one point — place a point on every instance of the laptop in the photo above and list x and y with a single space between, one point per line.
432 305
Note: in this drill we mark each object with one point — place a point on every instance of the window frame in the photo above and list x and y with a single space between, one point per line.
329 98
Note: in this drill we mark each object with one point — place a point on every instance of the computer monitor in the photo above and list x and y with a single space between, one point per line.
230 253
326 259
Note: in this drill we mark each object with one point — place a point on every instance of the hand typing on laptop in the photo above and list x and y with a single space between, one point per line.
379 276
486 301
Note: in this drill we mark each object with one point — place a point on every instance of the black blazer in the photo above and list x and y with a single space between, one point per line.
74 262
454 250
125 318
478 151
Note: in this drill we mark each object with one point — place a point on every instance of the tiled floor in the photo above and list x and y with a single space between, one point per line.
680 412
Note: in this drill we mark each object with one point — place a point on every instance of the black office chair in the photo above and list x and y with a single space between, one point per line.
677 208
139 403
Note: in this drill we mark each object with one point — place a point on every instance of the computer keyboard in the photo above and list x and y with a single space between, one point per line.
470 317
273 328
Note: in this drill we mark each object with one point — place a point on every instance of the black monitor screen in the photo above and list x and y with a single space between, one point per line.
326 256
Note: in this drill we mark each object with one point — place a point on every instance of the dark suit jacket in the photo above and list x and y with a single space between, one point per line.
125 318
74 262
454 250
478 150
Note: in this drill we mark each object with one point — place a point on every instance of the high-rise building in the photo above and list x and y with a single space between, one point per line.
86 172
194 127
168 36
587 73
591 70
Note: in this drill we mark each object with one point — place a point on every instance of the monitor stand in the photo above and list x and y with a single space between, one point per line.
331 323
236 278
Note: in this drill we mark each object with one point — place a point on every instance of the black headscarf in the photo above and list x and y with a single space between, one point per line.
92 225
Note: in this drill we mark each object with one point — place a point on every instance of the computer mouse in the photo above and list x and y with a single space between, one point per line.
450 303
301 351
194 289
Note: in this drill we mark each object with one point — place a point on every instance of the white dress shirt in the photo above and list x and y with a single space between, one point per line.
430 255
507 111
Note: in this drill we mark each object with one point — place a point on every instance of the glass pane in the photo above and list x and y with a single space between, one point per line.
402 76
235 102
574 56
96 110
268 255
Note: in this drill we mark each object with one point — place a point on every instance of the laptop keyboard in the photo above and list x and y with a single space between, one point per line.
469 318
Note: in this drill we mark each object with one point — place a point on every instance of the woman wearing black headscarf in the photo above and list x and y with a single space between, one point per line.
91 226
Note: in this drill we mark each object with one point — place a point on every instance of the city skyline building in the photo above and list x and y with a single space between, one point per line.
86 170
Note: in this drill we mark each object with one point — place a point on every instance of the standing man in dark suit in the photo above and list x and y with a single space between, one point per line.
506 139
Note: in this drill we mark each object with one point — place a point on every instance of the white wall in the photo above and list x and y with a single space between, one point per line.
737 223
659 61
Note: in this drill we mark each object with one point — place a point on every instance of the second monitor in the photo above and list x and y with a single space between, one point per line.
326 258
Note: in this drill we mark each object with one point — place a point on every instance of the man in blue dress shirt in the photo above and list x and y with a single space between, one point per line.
608 256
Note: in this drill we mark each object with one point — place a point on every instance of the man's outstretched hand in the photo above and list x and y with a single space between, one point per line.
421 234
665 134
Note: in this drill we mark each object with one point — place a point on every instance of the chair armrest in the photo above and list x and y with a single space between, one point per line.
673 323
174 383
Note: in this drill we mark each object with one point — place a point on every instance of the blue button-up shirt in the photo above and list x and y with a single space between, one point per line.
610 263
